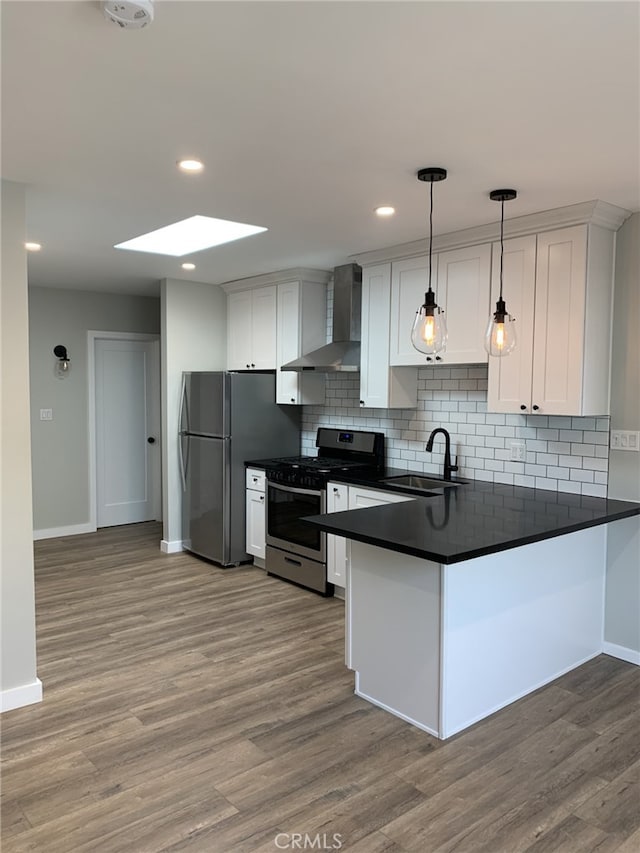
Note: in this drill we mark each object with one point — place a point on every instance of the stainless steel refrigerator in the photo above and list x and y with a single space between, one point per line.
227 419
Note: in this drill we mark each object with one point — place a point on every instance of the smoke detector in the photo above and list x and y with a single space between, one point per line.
129 14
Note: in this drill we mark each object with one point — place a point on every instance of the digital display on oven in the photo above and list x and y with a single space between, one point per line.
345 438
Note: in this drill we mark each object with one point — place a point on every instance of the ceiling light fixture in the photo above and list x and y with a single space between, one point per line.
500 337
429 332
190 165
190 235
385 210
32 247
129 14
188 266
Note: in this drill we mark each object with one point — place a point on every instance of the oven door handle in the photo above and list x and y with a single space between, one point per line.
297 491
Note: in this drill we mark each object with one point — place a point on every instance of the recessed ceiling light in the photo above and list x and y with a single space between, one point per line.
385 210
32 247
188 266
190 235
190 165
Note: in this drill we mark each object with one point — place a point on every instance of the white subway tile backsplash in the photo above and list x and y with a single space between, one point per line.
562 453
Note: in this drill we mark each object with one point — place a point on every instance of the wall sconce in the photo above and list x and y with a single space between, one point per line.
63 363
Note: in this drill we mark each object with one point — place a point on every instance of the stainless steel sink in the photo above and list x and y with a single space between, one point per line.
421 484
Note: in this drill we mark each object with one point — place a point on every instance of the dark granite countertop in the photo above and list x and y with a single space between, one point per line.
472 520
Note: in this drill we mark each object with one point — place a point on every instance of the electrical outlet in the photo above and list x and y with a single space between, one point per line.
46 414
625 439
518 450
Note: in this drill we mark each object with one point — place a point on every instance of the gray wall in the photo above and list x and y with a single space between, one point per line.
18 661
622 615
60 451
194 337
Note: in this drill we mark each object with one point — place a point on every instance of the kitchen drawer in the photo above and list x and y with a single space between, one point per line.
255 479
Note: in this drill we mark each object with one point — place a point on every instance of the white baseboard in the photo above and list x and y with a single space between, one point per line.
173 547
17 697
621 652
70 530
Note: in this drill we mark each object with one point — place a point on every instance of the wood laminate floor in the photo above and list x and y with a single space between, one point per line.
192 708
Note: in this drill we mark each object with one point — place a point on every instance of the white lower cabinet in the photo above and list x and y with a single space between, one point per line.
358 498
255 515
337 501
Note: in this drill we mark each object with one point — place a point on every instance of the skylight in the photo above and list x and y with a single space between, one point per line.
190 235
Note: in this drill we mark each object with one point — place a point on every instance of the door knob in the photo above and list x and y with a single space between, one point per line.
151 440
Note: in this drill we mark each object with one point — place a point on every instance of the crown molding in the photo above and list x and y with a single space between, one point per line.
588 212
278 277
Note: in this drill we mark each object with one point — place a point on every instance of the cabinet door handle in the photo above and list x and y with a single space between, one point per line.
248 366
535 408
261 497
335 491
362 402
523 407
293 399
252 364
438 358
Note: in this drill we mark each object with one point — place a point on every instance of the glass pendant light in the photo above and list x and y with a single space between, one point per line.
429 332
500 337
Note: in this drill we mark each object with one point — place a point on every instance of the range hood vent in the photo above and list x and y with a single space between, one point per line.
343 353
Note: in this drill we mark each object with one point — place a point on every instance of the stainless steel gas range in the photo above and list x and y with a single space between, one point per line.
296 487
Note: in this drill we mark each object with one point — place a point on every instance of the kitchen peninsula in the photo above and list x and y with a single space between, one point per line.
461 602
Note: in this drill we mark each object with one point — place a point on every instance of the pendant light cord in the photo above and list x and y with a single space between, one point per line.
501 243
430 231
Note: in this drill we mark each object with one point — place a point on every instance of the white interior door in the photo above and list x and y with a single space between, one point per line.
127 431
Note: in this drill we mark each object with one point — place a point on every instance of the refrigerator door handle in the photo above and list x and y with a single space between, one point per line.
184 408
183 470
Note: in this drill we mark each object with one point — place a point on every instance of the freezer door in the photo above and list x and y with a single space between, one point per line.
205 499
206 404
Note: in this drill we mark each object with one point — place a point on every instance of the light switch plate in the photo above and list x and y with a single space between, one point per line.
625 439
46 414
517 450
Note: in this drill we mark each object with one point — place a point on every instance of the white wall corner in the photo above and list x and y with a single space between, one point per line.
18 697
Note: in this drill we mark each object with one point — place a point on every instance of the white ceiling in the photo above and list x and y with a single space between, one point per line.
307 115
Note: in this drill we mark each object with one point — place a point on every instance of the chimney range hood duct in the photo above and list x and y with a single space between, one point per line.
343 353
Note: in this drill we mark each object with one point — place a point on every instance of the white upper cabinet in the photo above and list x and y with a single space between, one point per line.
301 328
559 287
251 329
381 386
510 376
464 278
460 279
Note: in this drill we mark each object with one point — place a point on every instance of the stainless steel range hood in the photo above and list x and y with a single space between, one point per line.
343 353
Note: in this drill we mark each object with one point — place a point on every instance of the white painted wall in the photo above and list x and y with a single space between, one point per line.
622 614
19 684
194 337
60 448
